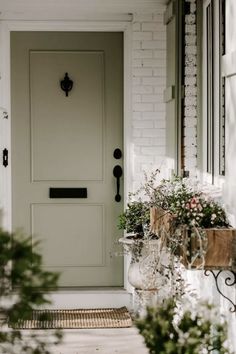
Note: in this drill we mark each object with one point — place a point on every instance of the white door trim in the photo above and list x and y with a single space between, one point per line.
5 97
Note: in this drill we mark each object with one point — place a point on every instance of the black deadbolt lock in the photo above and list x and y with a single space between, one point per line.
117 154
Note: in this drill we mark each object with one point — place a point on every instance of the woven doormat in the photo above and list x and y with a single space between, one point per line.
81 318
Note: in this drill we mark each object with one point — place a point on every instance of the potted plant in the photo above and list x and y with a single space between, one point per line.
195 226
149 267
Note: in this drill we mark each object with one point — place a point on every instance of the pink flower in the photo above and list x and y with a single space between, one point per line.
193 202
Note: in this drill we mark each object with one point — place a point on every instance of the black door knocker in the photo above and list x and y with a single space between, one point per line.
66 84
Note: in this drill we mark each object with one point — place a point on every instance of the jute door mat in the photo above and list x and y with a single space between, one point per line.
81 318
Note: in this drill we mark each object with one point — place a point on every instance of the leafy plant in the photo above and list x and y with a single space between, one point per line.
166 331
23 287
136 215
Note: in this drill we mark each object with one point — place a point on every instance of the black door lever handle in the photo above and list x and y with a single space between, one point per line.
117 173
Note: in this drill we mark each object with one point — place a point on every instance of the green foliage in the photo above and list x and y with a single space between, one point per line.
23 287
135 216
165 331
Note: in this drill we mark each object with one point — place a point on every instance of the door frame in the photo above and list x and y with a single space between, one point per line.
6 27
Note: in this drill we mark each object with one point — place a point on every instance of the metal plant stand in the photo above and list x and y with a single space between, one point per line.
230 280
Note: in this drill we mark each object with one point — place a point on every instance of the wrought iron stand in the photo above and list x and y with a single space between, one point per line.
230 280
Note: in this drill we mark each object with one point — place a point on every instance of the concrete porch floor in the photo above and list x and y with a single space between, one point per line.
100 341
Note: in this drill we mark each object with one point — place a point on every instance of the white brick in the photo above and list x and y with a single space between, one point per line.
190 132
148 126
136 26
159 54
144 159
193 8
190 141
136 44
190 19
160 72
160 107
161 8
160 161
153 26
158 151
190 29
191 59
191 49
143 53
160 124
155 81
190 101
191 151
190 122
190 80
191 70
153 115
137 115
153 133
154 63
152 98
137 98
142 72
143 107
146 167
136 150
142 141
190 111
190 39
137 63
137 168
136 133
160 141
136 80
142 89
158 89
153 45
139 17
142 36
190 162
160 36
143 124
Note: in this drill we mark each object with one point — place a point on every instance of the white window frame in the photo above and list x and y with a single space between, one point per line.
213 176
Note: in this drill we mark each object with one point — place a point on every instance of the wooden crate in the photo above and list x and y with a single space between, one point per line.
220 247
220 244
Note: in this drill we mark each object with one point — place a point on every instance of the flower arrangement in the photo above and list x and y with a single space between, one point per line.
183 199
188 221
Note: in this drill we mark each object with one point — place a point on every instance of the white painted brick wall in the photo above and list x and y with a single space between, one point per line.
149 82
190 83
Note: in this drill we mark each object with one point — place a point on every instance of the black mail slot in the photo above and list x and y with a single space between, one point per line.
67 192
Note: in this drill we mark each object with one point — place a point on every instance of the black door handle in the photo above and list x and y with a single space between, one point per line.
117 173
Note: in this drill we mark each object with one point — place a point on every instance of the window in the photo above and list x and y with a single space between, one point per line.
213 120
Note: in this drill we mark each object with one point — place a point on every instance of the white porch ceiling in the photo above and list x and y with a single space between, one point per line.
75 9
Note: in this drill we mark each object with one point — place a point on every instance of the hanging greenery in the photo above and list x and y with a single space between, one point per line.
24 286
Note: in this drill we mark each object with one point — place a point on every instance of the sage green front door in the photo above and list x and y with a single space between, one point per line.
63 139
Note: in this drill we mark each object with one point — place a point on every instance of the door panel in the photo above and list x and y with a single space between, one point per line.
69 223
75 118
68 142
